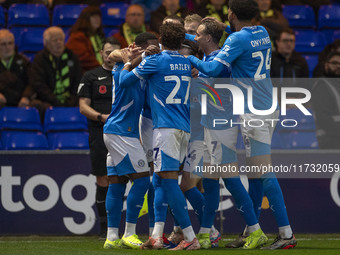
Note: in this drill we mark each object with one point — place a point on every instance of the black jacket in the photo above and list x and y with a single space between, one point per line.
14 81
43 77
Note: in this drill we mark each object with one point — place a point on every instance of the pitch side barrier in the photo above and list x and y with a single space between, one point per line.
52 193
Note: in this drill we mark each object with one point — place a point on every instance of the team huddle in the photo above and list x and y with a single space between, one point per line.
156 127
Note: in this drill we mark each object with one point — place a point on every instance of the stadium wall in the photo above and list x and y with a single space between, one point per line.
52 193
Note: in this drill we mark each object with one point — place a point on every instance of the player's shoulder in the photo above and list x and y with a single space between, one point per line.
117 67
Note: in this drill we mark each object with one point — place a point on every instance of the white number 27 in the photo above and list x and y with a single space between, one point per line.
170 99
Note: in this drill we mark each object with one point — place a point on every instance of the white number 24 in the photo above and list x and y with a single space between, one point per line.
258 76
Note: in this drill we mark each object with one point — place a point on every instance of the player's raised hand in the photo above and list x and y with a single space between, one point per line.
126 55
152 50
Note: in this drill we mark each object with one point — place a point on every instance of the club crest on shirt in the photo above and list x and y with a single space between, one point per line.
141 162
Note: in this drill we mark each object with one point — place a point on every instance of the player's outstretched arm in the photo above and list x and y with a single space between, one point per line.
212 69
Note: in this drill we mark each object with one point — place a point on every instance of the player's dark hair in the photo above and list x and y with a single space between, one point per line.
190 45
212 28
143 38
172 35
111 40
174 17
244 9
332 54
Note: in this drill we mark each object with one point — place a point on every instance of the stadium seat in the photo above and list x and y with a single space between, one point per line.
26 141
69 141
276 141
2 18
64 119
16 118
17 32
312 61
109 31
305 122
329 16
299 15
311 42
32 39
113 14
65 15
336 35
28 15
329 34
301 140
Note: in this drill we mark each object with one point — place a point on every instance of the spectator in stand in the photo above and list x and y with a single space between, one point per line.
168 7
191 23
272 19
319 69
14 89
86 38
151 5
55 72
326 104
286 62
133 26
219 10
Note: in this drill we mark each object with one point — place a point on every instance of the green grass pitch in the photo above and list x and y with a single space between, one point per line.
73 245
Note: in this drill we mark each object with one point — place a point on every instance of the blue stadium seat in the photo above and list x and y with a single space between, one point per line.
17 32
329 34
301 140
305 122
25 141
2 18
299 15
336 34
69 141
329 16
312 61
309 42
113 14
109 31
16 118
28 15
32 39
276 141
64 119
65 15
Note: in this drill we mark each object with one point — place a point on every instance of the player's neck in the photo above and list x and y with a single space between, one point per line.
211 48
106 67
241 24
165 48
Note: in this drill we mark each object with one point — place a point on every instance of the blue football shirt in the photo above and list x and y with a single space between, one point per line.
127 103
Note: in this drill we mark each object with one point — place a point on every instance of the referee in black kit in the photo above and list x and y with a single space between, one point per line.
95 102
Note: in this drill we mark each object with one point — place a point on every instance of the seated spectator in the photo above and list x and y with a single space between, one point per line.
168 7
191 23
286 62
219 10
133 26
215 8
55 72
319 69
86 38
271 19
326 104
151 5
14 90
